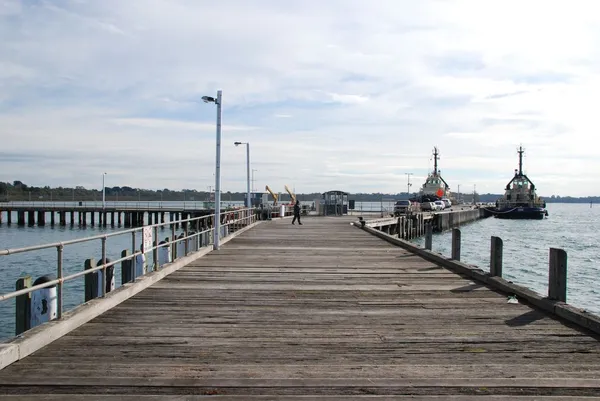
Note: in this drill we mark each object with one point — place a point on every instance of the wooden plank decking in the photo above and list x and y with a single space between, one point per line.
324 311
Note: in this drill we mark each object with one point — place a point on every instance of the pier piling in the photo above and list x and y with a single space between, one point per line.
496 257
557 280
428 236
23 306
456 234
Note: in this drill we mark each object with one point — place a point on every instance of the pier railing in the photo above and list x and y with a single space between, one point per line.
554 302
121 205
197 233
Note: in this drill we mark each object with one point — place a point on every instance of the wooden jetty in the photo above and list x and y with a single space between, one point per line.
323 311
72 215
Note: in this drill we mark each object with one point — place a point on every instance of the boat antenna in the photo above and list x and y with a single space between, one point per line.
521 151
435 159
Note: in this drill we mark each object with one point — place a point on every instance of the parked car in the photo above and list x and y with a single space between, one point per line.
402 207
447 202
427 206
439 205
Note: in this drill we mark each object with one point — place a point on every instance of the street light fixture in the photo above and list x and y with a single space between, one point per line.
408 185
217 224
103 192
248 200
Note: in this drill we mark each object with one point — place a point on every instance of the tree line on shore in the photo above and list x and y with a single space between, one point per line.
19 191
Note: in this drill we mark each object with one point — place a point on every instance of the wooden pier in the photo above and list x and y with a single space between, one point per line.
114 216
323 311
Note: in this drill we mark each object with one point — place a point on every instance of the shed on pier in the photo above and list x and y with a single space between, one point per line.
333 203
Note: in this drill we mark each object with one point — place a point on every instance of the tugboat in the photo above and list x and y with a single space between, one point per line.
520 200
435 186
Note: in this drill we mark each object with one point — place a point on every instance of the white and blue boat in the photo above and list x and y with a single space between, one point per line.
520 200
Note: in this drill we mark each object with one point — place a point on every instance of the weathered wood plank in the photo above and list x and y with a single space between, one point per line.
322 311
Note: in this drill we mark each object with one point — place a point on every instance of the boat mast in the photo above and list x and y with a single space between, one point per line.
435 160
521 151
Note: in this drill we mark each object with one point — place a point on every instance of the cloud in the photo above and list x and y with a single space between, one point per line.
329 94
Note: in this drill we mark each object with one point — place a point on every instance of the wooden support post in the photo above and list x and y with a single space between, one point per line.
126 219
20 218
105 218
84 219
1 217
456 244
428 236
557 280
52 219
496 257
91 280
41 217
23 306
149 218
119 219
112 219
127 267
31 218
72 218
9 217
99 219
93 218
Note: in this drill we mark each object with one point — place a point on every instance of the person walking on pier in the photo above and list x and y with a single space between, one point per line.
297 213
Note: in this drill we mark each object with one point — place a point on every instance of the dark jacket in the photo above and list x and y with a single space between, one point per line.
297 209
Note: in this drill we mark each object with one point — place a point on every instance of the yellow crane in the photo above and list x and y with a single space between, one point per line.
291 195
275 197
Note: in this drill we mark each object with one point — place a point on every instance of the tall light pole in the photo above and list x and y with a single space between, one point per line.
253 170
408 184
248 200
103 192
217 228
458 200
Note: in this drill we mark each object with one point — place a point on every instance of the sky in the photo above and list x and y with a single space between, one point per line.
335 94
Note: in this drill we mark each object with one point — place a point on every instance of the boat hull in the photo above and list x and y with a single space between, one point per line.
523 213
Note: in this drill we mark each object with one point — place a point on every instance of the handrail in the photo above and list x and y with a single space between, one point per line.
246 215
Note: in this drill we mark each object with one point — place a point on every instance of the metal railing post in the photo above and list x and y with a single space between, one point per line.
104 266
173 243
133 258
59 275
155 251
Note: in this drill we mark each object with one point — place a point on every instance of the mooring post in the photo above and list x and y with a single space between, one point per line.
456 244
557 277
90 280
428 236
22 306
496 257
127 273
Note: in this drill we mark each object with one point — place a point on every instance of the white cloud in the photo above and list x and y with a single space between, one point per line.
339 94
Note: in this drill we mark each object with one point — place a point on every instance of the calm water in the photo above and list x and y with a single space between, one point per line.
526 243
572 227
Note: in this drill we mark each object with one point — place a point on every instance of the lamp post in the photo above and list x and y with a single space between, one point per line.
408 184
253 170
217 228
248 200
103 192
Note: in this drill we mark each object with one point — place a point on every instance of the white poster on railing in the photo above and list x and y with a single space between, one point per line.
147 239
